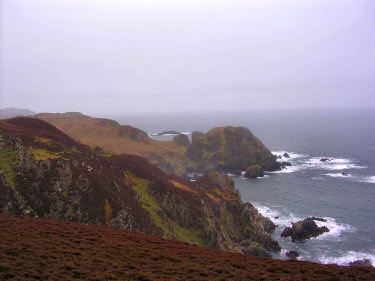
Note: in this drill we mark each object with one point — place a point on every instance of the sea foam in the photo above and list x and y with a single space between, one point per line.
339 175
368 179
346 257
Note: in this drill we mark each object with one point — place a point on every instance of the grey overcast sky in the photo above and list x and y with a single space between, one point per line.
134 56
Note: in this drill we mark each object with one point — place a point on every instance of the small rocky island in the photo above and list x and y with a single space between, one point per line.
168 132
304 229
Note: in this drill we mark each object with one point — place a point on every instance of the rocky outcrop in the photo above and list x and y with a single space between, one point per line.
304 229
293 255
46 173
135 134
228 149
254 171
277 166
182 140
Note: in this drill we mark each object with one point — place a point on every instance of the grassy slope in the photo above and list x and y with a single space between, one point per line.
91 131
38 248
104 133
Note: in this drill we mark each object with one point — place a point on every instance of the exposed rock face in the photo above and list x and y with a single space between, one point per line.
304 229
228 149
181 139
46 173
133 133
254 171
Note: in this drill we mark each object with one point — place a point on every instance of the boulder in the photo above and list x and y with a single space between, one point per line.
277 166
325 159
293 255
286 155
181 139
254 171
364 262
303 230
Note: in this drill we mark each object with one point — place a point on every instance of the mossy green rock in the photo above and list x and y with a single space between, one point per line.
254 171
228 149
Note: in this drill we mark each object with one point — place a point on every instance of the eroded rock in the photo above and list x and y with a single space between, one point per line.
304 229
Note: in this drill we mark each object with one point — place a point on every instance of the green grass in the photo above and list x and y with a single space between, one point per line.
43 154
170 229
47 142
8 161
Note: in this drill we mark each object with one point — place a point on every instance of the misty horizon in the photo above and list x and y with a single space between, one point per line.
139 56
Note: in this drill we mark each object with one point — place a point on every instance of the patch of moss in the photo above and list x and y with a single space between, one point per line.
8 161
107 154
182 186
170 229
47 142
213 197
43 154
108 211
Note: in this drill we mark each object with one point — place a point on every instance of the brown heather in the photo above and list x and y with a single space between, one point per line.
44 249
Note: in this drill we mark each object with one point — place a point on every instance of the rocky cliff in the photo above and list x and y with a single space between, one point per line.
46 173
228 149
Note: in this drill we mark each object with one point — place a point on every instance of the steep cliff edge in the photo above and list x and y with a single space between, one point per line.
228 149
46 173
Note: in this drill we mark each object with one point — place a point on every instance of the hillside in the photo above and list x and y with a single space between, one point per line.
46 173
227 149
38 248
14 112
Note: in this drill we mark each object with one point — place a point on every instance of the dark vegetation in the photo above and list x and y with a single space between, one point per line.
39 248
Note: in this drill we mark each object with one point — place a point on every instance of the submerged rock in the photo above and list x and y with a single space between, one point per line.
304 229
254 171
325 160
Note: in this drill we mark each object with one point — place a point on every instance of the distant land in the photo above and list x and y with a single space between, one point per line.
14 112
39 248
225 149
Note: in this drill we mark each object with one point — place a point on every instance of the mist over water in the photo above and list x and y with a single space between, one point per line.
310 187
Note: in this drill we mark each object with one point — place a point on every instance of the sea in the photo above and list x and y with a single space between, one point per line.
309 187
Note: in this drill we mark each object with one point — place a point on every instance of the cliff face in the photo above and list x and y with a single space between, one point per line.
226 149
230 149
46 173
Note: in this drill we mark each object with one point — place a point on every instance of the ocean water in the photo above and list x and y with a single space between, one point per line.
310 187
